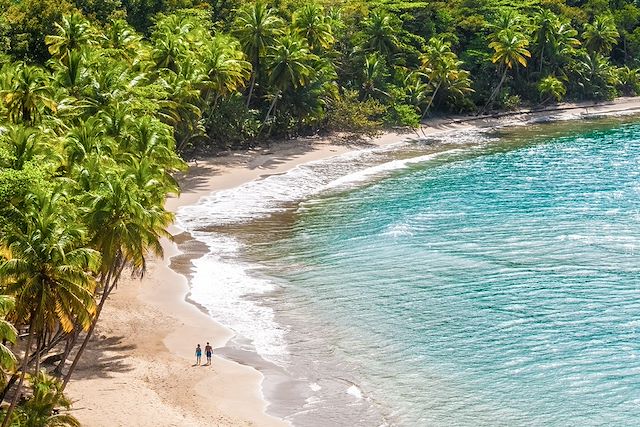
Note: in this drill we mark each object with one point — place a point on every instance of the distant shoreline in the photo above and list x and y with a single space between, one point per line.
138 369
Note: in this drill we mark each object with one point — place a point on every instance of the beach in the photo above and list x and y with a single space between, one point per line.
138 369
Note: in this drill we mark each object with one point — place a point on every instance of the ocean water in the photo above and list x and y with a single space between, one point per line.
472 279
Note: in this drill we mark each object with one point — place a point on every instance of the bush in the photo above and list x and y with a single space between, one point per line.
402 115
551 88
510 102
347 114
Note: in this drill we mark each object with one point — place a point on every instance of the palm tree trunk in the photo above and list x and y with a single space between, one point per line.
254 73
271 107
251 85
37 356
71 340
25 363
495 92
105 294
435 91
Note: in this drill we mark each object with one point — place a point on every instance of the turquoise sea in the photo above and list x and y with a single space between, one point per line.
479 278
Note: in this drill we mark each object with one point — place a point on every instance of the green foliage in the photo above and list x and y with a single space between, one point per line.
402 115
628 81
550 88
47 406
348 114
24 23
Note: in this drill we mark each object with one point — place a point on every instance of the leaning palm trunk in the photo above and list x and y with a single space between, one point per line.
252 85
110 283
495 92
433 96
271 108
25 364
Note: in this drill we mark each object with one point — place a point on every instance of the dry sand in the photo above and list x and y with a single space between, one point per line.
138 370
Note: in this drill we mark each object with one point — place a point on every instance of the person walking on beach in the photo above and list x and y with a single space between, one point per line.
208 350
198 354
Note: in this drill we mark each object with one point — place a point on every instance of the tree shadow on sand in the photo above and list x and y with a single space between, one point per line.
103 357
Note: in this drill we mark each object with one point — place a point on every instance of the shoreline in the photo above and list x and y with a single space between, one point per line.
140 360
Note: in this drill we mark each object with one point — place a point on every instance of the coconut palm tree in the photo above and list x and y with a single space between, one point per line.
47 271
381 34
73 31
122 41
442 68
374 74
226 69
546 24
289 64
43 408
124 230
28 145
601 35
73 74
257 27
311 23
28 94
510 50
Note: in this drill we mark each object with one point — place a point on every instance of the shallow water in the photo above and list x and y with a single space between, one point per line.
493 283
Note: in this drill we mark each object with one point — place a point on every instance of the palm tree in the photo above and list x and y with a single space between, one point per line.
122 40
381 34
601 35
227 71
565 43
124 230
257 27
85 140
442 67
28 145
629 80
551 88
73 32
42 409
507 19
73 74
544 37
28 94
311 23
47 270
595 77
374 74
289 66
510 50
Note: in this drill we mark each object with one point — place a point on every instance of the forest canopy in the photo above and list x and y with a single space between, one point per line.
238 71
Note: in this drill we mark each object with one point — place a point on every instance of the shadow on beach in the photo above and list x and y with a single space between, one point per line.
105 356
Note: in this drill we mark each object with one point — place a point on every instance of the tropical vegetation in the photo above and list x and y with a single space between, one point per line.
101 100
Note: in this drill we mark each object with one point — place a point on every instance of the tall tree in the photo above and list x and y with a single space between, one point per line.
28 94
381 34
601 35
257 27
546 24
72 32
289 66
311 23
443 70
48 271
510 50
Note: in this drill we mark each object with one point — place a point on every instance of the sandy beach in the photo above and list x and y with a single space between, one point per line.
139 369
